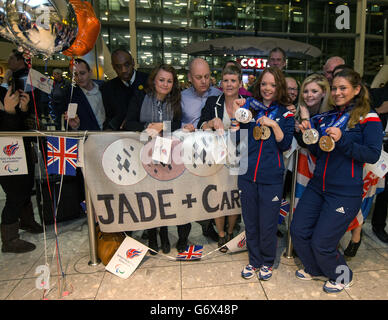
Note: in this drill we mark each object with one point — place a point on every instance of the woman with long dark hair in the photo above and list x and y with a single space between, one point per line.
147 110
350 135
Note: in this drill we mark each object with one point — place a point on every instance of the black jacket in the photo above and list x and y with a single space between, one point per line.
116 97
11 122
208 111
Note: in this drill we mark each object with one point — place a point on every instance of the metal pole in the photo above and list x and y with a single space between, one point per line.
89 209
288 253
94 261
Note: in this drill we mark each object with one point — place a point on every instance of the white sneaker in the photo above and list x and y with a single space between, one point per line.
265 273
331 286
248 272
303 275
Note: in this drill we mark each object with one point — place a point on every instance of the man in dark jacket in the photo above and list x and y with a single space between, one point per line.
117 92
57 98
87 95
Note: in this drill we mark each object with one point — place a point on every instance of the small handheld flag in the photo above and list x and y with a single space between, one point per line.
62 155
191 253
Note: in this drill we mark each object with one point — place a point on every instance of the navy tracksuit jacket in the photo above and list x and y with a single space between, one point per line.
261 189
333 197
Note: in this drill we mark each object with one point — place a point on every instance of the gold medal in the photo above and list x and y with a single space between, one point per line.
310 136
326 143
257 133
265 132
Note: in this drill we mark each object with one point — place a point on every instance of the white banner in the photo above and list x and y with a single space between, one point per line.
129 191
13 156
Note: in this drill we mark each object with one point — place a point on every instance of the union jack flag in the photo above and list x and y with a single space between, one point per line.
284 209
62 155
191 253
372 184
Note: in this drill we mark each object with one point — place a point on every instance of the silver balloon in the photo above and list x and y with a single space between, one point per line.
5 32
42 26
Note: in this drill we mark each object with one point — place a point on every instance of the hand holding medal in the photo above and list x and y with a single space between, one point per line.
327 143
242 113
310 135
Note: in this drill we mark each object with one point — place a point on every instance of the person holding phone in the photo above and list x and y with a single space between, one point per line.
17 188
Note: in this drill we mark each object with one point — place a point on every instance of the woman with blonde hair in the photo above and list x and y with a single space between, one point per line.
314 97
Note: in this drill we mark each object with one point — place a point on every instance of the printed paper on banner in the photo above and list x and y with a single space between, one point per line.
127 257
238 243
162 150
380 168
80 155
39 81
13 156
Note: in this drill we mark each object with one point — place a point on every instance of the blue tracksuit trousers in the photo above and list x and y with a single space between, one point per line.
320 220
260 205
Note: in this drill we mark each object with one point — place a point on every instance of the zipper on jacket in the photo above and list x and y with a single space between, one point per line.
324 172
352 168
258 160
279 159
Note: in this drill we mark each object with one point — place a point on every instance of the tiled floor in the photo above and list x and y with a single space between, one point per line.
216 277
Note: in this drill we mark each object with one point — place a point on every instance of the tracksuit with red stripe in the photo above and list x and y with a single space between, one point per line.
261 189
333 196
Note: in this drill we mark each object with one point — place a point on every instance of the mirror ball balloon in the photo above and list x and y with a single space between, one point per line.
42 26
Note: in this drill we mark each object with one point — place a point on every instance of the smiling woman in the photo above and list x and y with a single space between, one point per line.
159 103
332 198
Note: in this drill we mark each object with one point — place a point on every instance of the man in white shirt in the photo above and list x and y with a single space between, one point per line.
87 95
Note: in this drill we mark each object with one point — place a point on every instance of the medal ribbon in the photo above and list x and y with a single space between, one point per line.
340 123
273 109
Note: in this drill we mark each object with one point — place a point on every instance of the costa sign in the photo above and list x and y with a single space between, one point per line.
252 63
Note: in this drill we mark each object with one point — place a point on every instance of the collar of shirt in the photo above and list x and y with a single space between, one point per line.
131 81
91 92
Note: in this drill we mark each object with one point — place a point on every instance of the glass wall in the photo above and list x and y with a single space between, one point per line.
165 27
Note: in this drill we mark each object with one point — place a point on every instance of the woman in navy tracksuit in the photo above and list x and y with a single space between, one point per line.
261 186
333 196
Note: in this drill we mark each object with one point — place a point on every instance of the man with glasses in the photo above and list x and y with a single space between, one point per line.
292 91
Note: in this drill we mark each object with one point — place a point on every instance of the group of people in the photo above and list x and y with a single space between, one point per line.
332 117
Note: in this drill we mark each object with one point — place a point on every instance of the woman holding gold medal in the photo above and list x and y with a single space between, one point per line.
269 134
350 135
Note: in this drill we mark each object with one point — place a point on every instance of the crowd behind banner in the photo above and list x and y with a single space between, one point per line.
332 115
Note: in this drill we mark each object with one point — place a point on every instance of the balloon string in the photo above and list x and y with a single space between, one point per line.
59 262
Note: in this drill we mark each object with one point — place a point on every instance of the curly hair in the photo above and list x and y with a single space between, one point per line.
174 97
